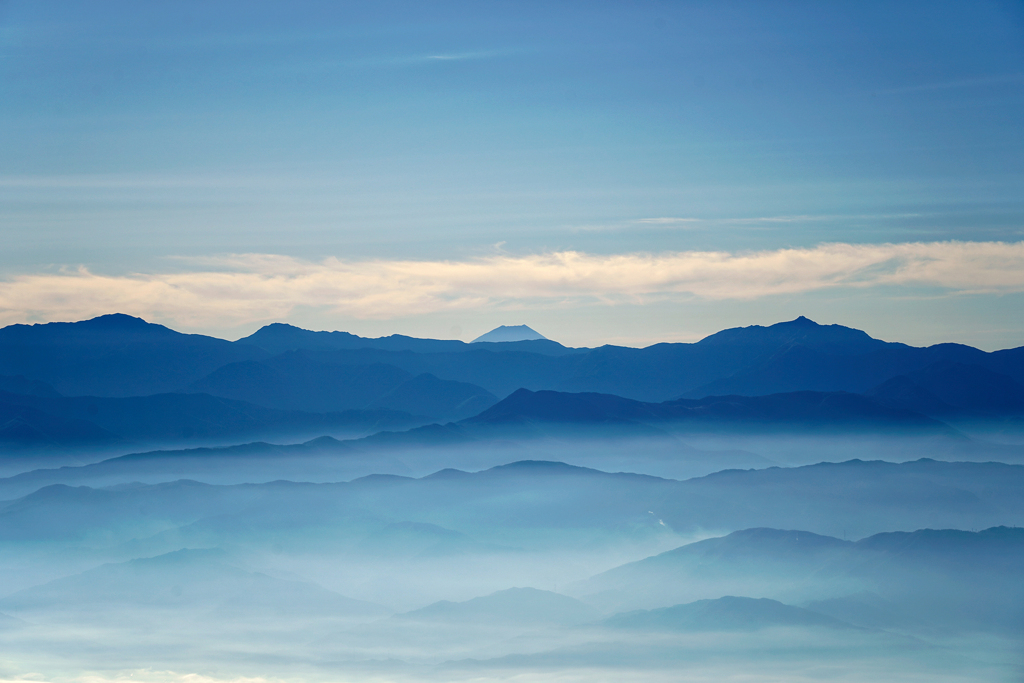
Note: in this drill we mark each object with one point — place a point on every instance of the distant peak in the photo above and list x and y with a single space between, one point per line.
116 320
509 333
803 321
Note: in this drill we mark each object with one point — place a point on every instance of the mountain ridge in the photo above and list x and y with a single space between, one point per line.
799 362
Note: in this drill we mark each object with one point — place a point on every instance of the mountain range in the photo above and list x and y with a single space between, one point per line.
120 382
951 577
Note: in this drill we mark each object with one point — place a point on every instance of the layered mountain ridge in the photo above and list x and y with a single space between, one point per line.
61 382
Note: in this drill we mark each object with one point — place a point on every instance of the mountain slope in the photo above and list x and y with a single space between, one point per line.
440 399
26 427
946 387
521 606
182 418
509 333
728 613
952 576
798 366
186 579
798 411
294 381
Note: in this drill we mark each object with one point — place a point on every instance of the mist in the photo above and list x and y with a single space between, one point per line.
307 506
540 559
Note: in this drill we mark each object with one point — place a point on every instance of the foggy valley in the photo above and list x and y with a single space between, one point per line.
319 510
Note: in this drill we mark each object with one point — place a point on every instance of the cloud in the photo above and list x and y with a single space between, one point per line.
803 218
239 289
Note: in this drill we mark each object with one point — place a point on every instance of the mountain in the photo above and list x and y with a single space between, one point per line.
322 459
440 399
113 355
509 333
797 367
186 579
122 356
555 406
279 337
27 428
497 368
728 613
903 393
833 339
812 357
520 606
753 560
798 411
790 356
567 503
174 418
954 577
415 452
949 388
294 380
795 375
666 371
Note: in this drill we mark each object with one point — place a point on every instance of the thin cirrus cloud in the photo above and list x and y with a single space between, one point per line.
240 289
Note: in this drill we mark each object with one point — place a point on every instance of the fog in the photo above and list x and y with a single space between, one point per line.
549 559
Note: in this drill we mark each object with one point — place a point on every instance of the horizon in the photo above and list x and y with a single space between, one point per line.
499 327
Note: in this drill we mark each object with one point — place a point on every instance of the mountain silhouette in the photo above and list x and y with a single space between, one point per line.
280 337
834 339
113 355
791 375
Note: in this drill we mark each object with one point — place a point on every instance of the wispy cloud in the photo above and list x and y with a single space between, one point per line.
240 289
797 218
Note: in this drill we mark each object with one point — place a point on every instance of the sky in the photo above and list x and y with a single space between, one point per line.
605 172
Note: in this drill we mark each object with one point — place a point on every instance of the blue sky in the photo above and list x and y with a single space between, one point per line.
215 166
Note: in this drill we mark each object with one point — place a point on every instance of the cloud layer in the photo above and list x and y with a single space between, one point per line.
241 289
